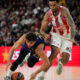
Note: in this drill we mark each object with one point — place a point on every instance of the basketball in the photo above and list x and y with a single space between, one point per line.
17 76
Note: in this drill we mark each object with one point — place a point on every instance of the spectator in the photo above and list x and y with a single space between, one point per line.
20 16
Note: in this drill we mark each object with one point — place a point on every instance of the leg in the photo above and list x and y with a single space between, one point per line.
32 60
65 53
65 58
25 59
22 55
54 52
56 43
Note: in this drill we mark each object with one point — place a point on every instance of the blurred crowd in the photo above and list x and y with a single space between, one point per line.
20 16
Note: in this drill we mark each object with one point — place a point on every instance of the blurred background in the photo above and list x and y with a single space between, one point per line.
20 16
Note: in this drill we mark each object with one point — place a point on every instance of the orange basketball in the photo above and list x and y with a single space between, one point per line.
17 76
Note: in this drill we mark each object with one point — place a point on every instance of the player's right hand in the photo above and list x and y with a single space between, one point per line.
8 64
47 36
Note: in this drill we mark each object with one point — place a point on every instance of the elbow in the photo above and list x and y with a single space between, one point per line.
40 30
12 50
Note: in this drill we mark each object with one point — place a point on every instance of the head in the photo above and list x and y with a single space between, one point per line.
30 39
54 5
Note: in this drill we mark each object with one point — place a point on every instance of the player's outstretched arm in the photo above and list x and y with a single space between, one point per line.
43 56
16 45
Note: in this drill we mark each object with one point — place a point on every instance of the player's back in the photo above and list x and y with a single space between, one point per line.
39 40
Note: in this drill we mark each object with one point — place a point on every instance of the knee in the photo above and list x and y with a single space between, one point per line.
31 62
30 65
65 58
13 66
65 61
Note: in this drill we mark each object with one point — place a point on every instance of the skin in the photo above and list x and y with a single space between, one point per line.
39 51
54 6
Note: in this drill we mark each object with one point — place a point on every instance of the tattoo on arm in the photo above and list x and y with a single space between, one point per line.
71 23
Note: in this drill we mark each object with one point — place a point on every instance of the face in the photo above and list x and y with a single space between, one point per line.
53 5
30 43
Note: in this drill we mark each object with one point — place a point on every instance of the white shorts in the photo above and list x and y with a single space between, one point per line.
62 43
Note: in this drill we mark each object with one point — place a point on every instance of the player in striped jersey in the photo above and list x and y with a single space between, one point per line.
62 33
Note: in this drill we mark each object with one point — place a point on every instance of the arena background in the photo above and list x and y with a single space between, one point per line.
20 16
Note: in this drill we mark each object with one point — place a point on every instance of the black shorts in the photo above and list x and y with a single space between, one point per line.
32 60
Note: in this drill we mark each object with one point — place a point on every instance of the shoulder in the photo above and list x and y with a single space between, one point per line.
22 39
46 16
65 11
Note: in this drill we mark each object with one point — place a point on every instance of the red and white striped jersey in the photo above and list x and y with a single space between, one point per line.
59 23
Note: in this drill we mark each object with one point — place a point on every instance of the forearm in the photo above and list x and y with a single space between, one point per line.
10 55
73 30
43 32
43 67
44 25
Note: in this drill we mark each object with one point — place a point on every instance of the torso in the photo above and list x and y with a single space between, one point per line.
59 23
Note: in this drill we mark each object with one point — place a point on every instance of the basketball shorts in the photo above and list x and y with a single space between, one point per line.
62 43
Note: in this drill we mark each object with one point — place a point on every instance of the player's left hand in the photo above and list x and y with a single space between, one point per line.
8 64
73 41
76 43
33 76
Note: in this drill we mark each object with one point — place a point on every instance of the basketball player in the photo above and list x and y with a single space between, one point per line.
62 34
33 43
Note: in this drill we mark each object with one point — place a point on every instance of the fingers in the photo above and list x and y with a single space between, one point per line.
76 43
32 76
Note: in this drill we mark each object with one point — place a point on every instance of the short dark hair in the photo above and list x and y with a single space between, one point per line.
31 36
55 0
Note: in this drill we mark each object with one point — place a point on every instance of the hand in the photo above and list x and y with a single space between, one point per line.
8 64
73 41
33 76
47 36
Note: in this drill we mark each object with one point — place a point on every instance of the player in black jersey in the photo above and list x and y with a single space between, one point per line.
32 45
